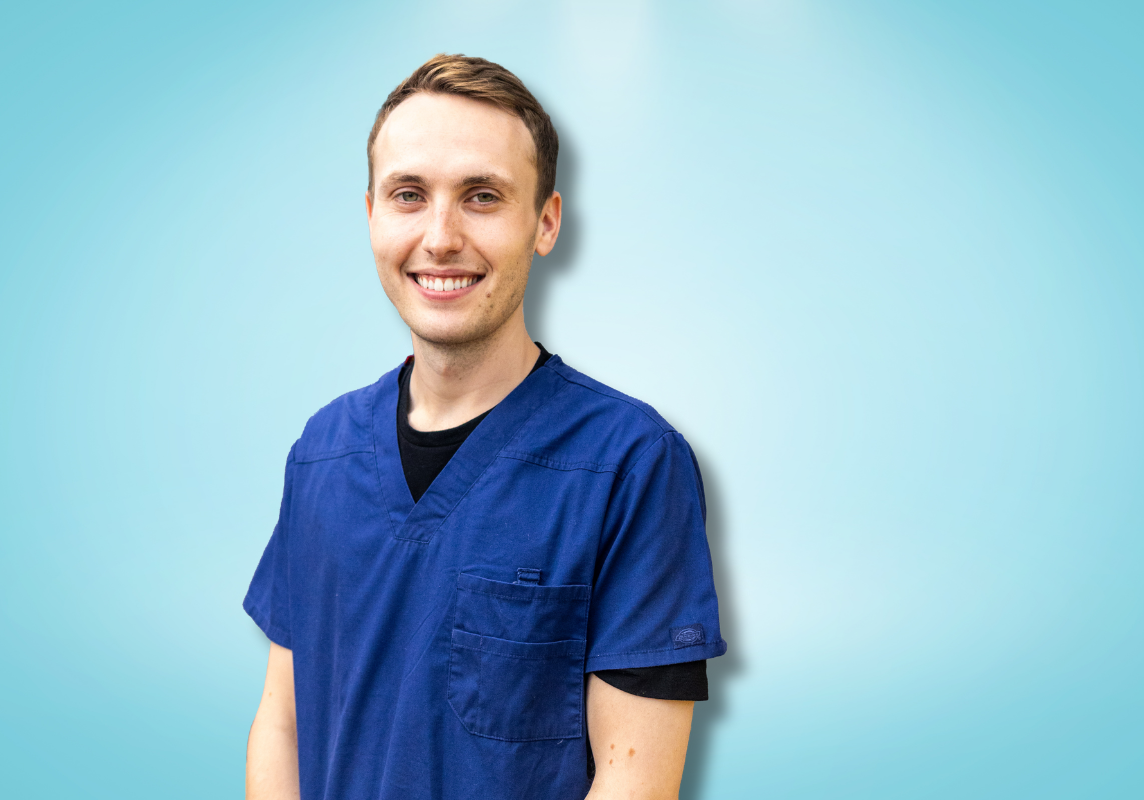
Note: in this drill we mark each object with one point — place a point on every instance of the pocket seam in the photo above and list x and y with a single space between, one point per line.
480 670
561 593
523 599
581 595
564 648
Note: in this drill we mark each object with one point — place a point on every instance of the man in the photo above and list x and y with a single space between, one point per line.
489 577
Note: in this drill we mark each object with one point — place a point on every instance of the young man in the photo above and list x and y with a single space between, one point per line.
490 576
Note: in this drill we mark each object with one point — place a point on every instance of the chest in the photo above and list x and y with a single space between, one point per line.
350 554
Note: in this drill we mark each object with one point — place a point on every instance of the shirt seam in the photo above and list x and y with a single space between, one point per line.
330 455
563 466
645 652
262 619
616 396
664 431
644 452
376 434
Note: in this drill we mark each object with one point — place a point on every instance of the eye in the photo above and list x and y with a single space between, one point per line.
484 198
408 197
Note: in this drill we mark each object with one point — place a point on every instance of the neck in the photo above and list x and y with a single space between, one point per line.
452 383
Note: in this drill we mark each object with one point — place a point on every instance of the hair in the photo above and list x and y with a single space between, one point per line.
490 83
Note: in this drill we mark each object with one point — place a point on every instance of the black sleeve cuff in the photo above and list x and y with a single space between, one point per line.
686 681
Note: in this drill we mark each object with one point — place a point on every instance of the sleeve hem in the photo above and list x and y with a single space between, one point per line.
275 633
655 658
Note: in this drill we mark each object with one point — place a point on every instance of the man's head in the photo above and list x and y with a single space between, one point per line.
462 163
483 80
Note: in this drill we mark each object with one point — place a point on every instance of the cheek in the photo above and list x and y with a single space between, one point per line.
506 243
391 244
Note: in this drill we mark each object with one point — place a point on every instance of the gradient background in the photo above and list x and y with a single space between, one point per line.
882 263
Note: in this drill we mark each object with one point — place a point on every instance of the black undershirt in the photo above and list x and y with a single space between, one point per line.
425 453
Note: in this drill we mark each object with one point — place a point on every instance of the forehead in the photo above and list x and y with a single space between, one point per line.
438 134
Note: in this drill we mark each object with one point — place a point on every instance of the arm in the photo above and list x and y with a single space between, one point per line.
272 749
639 743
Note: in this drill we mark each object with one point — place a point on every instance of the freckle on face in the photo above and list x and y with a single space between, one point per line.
631 752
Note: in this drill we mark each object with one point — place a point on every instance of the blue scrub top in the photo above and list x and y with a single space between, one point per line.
440 648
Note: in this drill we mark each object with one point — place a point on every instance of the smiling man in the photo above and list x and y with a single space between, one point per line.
490 575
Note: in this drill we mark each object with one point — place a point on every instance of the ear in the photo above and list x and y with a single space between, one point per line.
548 226
369 203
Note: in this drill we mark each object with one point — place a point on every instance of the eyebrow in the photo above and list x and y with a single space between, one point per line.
391 180
474 180
487 180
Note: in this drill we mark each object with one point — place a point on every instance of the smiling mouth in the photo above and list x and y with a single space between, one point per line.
431 284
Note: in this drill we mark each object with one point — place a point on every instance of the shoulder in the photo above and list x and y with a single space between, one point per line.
342 426
587 424
604 401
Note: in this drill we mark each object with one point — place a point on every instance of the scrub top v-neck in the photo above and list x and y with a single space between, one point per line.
440 647
425 453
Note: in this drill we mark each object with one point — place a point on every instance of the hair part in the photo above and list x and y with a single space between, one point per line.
490 83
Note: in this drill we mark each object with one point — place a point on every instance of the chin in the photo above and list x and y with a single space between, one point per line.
456 326
465 332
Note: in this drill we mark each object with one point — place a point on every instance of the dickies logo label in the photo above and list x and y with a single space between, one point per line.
688 636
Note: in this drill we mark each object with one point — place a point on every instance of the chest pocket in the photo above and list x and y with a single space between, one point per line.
516 670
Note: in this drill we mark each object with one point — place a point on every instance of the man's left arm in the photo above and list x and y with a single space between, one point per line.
639 743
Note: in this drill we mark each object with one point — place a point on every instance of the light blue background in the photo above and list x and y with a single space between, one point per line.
882 263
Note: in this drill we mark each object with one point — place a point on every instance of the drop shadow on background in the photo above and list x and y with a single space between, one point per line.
560 261
720 670
542 280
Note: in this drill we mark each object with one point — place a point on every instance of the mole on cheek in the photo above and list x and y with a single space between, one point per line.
610 760
631 752
613 747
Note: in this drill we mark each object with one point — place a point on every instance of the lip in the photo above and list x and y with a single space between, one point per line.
444 297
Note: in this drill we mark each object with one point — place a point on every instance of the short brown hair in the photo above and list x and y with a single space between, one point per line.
491 83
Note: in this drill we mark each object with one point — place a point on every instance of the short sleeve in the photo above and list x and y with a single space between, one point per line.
654 600
268 598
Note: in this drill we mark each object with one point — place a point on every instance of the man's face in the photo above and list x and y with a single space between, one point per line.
452 215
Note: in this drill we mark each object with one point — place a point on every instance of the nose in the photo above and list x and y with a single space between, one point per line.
442 237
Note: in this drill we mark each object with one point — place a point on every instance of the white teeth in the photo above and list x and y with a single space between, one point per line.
446 285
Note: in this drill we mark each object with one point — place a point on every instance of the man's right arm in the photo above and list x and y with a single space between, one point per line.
272 749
